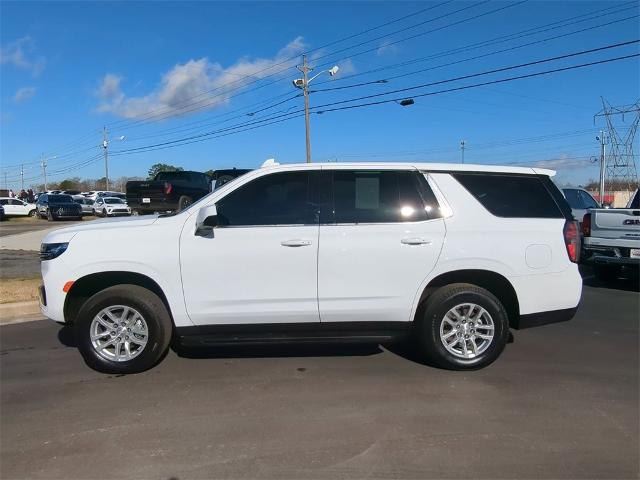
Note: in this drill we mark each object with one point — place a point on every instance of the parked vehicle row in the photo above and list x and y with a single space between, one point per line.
448 256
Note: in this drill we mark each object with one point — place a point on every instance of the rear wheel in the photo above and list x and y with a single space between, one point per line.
123 329
464 327
184 202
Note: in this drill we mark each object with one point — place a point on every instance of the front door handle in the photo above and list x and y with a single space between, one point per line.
415 241
295 243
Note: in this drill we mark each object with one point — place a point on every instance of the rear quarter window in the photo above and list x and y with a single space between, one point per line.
512 195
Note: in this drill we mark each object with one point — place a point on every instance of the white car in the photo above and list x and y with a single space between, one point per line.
17 208
110 207
449 255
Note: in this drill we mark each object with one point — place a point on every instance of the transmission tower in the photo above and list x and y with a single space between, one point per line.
619 163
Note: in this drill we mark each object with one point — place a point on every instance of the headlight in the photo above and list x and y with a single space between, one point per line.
49 251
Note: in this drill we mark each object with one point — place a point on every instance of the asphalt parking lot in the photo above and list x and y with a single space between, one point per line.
562 402
17 225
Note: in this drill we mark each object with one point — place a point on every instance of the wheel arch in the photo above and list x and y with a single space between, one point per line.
494 282
87 286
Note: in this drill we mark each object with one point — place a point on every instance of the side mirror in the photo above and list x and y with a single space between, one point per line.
206 219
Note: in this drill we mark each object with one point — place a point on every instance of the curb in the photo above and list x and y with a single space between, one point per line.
19 311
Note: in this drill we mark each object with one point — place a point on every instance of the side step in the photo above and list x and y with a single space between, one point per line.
261 334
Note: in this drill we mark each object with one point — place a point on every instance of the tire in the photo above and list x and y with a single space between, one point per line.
32 213
607 273
93 212
154 314
104 213
50 216
439 304
184 202
79 218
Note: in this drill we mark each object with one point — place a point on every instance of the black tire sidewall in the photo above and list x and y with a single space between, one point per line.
148 305
434 315
184 202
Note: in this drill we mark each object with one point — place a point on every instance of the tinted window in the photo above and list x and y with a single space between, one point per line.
369 196
276 199
587 200
4 202
113 200
635 203
505 195
573 198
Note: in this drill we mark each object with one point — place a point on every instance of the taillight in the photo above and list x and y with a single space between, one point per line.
167 188
572 240
586 225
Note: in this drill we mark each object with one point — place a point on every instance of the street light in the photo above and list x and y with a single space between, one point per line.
105 147
44 168
303 83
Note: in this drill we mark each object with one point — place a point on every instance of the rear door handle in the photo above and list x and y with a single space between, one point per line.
415 241
295 243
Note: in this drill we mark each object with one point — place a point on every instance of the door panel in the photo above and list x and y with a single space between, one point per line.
382 240
246 275
261 263
369 273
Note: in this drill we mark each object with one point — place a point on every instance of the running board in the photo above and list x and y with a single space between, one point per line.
261 334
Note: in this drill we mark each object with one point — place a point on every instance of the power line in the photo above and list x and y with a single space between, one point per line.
495 52
288 116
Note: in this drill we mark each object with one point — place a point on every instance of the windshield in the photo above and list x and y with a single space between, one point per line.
113 200
60 199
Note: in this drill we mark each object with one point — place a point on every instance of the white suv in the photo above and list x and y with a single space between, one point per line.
449 255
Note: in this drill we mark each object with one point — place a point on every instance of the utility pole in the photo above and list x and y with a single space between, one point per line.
105 146
462 145
603 163
303 83
21 176
305 89
6 185
44 171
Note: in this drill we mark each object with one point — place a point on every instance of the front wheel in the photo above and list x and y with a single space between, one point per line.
123 329
104 213
50 216
464 327
32 213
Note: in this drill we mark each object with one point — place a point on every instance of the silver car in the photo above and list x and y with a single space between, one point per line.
86 204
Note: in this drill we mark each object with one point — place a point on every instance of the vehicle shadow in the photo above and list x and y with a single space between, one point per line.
629 279
67 336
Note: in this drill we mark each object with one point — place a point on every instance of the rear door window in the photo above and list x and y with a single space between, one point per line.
511 195
386 196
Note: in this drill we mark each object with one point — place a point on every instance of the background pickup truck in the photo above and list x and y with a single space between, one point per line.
612 239
168 191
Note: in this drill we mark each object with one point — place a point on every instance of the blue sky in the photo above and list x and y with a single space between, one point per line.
67 69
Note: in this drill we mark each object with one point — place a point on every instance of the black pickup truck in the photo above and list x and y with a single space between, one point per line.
167 192
174 191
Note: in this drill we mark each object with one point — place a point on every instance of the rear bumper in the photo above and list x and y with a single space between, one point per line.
544 318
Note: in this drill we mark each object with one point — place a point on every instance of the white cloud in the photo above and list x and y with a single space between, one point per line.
386 48
563 161
346 68
23 94
209 82
21 54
